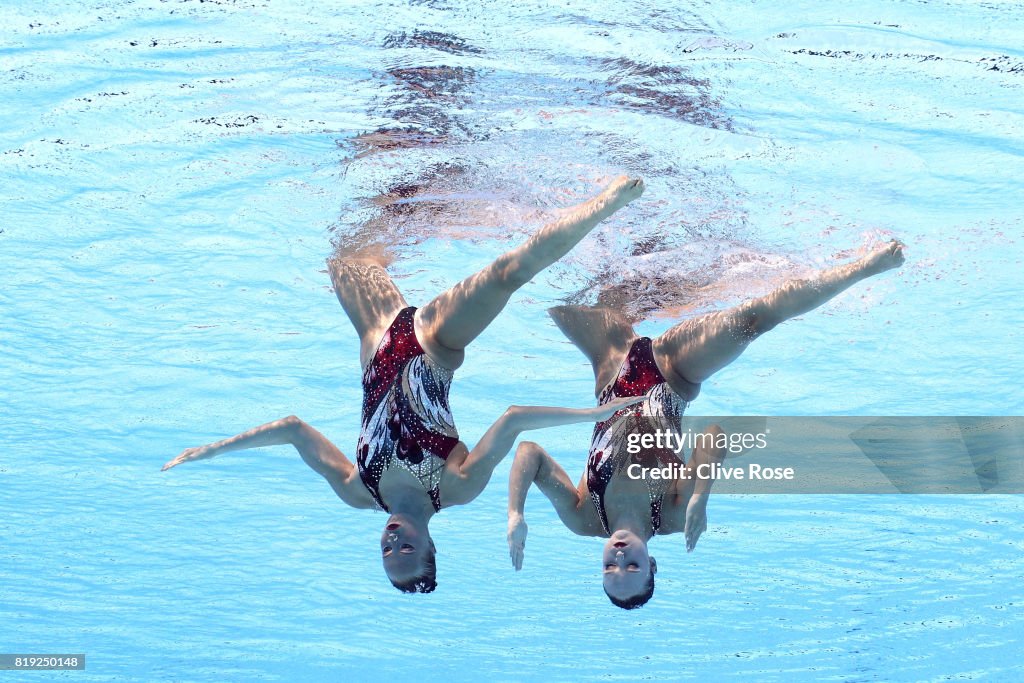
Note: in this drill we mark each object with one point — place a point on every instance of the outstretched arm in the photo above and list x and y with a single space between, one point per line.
475 471
319 453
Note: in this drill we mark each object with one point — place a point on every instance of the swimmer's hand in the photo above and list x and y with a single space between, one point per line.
198 453
606 410
623 190
696 520
516 539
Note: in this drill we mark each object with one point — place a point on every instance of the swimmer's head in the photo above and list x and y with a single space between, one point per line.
628 570
408 554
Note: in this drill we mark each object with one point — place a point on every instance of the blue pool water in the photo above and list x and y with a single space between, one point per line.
173 175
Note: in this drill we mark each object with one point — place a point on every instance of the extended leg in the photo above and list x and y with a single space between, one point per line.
602 334
456 317
370 299
696 349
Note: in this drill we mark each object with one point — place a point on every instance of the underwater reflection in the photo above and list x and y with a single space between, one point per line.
423 101
664 90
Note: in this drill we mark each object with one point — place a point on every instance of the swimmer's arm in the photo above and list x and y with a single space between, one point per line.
475 471
532 465
320 454
686 508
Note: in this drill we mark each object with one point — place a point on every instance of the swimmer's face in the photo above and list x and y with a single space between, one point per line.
627 568
404 547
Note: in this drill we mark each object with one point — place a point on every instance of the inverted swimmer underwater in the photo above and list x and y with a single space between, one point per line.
410 461
667 373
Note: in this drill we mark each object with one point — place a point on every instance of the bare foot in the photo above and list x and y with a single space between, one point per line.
623 190
883 258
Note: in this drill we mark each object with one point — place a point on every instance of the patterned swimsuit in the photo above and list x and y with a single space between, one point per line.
407 421
639 375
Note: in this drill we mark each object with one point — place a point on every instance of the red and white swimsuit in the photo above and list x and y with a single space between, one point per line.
406 420
638 376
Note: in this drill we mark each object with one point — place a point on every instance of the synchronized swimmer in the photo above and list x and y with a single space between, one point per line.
666 374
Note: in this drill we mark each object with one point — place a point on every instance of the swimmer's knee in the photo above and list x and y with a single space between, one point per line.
713 448
714 429
293 424
559 312
527 448
336 269
340 266
510 271
753 320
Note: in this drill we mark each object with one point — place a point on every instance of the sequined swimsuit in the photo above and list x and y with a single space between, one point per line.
407 421
639 375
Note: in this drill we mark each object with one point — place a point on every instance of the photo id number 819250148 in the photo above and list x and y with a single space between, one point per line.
38 662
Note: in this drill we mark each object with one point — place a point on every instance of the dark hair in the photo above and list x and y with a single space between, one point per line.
638 600
425 582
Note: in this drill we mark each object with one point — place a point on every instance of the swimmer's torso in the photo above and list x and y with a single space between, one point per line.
609 458
407 425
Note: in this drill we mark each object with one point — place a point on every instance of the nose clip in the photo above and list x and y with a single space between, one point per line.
619 554
392 536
